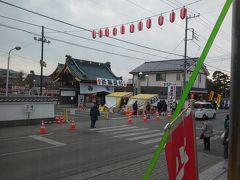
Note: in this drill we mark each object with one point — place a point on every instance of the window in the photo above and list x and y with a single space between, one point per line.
178 76
161 77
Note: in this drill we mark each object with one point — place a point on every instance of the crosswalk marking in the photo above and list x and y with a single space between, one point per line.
118 129
134 134
150 141
144 137
47 140
95 129
126 131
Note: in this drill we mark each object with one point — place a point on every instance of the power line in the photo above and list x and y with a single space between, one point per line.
73 35
60 21
139 6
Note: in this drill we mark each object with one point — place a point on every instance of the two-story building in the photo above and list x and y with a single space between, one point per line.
151 77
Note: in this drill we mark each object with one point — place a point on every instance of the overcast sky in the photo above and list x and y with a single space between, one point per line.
95 14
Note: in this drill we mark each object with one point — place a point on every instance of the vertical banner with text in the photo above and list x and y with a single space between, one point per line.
180 152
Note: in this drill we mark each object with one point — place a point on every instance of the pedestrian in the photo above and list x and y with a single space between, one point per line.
174 106
94 113
207 131
164 106
159 106
226 122
148 108
225 137
135 108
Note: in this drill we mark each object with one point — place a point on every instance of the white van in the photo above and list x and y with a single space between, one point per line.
204 110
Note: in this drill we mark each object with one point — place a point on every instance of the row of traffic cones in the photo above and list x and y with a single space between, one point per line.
145 118
43 130
59 119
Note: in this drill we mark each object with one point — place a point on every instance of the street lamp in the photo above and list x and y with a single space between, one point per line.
17 48
147 78
139 82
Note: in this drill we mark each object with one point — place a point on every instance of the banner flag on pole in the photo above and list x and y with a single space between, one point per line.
180 152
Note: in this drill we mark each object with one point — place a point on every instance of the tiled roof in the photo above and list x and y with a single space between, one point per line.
88 70
166 65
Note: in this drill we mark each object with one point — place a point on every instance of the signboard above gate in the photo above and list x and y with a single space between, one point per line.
110 82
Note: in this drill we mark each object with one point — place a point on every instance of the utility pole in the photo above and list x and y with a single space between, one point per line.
42 63
234 131
185 47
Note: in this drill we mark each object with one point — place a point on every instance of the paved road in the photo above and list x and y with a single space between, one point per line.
113 150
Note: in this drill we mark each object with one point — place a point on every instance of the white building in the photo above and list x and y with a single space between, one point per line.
150 77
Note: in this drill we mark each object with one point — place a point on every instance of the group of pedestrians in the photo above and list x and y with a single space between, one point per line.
161 106
207 132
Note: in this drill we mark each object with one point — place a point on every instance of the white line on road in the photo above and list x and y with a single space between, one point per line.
118 129
26 151
119 118
144 137
150 141
126 131
50 141
20 137
133 134
111 127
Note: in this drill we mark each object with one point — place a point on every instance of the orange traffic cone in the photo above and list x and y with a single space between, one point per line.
130 121
61 119
72 125
157 117
145 118
42 129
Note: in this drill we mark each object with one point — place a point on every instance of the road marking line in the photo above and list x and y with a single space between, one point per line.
133 134
118 118
118 129
50 141
21 137
144 137
111 127
150 141
26 151
131 130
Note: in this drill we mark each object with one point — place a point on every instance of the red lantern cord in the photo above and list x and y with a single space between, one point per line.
94 34
149 23
172 17
183 12
114 31
122 29
140 26
132 28
107 32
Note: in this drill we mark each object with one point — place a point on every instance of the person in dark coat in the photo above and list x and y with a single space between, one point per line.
94 113
148 108
135 108
225 138
159 106
164 106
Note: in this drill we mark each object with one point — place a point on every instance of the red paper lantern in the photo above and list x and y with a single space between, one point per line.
100 33
122 29
107 32
132 28
149 23
183 12
140 26
172 17
114 31
94 34
160 20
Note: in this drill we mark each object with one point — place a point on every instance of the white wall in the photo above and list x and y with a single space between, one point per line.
16 110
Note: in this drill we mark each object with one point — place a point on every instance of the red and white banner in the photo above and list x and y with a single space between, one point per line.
180 152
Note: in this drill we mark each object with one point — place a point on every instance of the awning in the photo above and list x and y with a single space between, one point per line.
87 88
203 92
144 96
120 94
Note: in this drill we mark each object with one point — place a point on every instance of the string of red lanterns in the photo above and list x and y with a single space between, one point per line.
106 32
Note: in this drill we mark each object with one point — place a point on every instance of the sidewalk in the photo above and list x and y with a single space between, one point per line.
216 172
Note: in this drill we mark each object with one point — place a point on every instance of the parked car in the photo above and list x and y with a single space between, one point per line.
204 110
